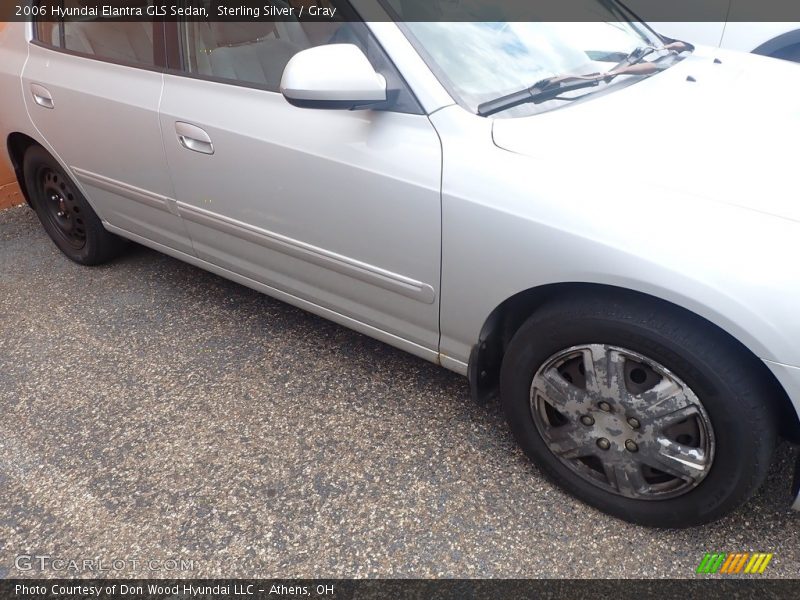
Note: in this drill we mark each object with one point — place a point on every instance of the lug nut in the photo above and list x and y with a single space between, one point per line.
587 420
631 446
603 444
634 423
605 407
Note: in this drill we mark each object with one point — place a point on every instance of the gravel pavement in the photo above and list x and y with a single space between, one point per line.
153 411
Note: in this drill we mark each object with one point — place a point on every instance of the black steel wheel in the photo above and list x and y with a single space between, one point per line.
65 213
60 208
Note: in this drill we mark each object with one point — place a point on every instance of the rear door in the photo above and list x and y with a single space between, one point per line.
92 89
331 209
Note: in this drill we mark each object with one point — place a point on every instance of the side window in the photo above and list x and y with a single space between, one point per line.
251 52
48 32
103 38
255 53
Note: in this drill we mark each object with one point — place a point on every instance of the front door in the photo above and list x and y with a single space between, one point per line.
334 208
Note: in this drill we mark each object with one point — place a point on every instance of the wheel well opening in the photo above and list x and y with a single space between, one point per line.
18 144
508 317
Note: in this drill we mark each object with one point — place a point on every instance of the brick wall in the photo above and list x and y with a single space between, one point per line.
9 191
5 174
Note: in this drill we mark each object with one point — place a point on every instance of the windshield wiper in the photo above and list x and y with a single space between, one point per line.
637 56
642 52
553 87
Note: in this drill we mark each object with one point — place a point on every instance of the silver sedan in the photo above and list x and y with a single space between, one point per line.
591 222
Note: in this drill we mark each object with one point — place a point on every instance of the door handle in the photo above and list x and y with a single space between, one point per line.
42 96
193 138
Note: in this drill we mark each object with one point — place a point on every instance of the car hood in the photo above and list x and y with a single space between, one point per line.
718 125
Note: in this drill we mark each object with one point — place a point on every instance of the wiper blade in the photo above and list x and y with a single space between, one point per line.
552 87
544 90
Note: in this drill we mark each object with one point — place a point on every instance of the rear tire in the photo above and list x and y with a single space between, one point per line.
65 213
605 438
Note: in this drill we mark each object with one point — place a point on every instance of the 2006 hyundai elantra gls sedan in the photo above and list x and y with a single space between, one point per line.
597 224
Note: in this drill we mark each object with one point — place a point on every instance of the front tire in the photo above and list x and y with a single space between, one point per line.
65 214
639 410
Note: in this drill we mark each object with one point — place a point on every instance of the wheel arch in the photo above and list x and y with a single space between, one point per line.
504 321
17 145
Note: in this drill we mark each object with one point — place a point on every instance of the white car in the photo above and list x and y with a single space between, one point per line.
728 24
778 40
599 225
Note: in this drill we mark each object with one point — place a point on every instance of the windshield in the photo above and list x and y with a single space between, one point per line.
481 61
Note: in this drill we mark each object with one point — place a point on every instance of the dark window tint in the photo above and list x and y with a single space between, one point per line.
127 42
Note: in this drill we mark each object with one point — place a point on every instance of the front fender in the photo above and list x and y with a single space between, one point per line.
512 223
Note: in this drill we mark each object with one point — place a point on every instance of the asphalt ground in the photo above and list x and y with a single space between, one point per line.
153 411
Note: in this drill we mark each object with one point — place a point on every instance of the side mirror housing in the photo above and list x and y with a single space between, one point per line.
337 76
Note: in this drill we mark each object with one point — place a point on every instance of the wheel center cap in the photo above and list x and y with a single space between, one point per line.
614 429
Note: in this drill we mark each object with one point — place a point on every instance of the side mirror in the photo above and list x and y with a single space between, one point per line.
337 76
